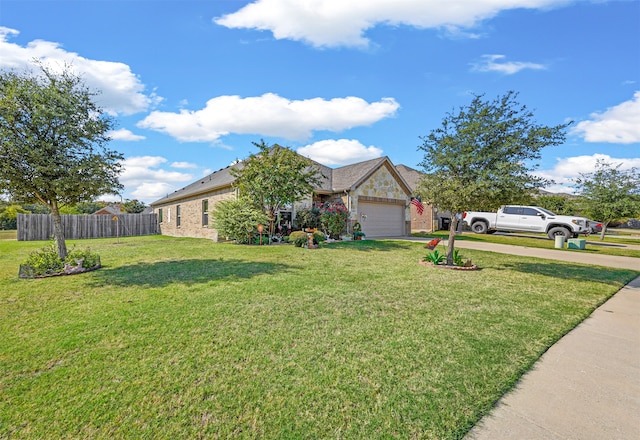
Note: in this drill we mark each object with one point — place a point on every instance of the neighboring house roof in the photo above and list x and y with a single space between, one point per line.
333 181
411 176
109 210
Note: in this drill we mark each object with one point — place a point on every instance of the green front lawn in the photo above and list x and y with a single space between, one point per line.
184 338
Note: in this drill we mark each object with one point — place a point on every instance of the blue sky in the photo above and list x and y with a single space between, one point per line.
193 83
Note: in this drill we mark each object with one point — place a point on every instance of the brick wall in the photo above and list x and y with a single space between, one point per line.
191 210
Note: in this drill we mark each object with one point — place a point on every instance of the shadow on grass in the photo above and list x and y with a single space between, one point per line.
571 272
163 273
369 245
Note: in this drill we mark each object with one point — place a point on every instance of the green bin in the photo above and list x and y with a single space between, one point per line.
576 243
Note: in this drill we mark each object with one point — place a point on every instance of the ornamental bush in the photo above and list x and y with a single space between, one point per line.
298 238
334 218
331 217
238 220
45 261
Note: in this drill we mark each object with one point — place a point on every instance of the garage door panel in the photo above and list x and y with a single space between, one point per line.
381 219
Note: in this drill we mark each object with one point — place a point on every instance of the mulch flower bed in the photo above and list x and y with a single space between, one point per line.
27 271
446 266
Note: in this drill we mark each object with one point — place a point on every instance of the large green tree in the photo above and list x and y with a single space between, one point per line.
275 177
610 193
558 204
53 141
482 157
134 206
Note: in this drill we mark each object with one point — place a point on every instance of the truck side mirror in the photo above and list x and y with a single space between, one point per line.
541 215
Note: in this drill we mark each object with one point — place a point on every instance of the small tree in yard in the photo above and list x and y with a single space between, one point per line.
52 143
481 158
610 193
275 177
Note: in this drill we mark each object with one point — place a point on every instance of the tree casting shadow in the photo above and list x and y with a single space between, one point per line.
565 271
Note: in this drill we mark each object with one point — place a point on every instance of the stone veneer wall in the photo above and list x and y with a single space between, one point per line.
191 215
382 185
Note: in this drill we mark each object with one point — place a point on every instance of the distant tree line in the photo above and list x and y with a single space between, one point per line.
9 210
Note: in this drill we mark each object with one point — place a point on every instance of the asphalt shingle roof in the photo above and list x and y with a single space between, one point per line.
333 180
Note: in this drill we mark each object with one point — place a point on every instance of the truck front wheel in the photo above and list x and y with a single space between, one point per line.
559 230
479 227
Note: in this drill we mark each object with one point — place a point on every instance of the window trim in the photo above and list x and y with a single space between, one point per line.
205 212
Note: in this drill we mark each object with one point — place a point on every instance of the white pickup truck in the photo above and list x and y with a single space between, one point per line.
526 219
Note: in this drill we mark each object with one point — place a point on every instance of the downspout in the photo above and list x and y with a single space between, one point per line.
348 208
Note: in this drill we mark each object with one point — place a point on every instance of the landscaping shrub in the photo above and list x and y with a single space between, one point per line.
334 218
89 259
331 217
298 238
319 237
308 218
238 220
45 261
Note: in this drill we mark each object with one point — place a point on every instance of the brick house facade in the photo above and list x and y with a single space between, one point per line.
375 193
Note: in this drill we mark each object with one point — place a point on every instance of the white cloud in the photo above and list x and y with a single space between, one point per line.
496 63
568 169
268 115
125 135
339 152
617 125
183 165
146 181
149 192
331 23
121 91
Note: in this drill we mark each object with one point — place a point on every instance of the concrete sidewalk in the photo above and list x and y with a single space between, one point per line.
586 386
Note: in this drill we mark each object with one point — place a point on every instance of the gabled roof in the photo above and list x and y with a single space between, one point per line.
110 210
411 176
349 176
341 179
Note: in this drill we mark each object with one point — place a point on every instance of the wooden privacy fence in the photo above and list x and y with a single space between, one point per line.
40 226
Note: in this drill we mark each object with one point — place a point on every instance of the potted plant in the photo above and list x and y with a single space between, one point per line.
357 231
358 235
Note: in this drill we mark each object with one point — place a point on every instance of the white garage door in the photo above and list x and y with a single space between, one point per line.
381 220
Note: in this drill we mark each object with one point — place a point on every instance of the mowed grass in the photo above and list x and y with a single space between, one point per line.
10 234
185 338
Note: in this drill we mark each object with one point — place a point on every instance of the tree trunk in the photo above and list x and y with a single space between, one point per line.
604 230
453 227
58 231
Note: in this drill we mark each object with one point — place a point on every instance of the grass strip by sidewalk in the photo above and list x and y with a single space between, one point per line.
611 246
185 338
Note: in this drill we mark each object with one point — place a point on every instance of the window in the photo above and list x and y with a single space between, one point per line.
160 215
205 212
530 211
513 210
178 215
168 215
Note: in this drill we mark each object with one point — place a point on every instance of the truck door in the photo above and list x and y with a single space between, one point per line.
508 218
531 220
